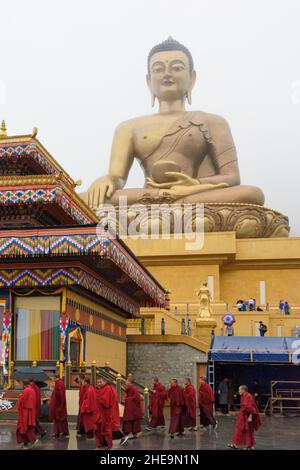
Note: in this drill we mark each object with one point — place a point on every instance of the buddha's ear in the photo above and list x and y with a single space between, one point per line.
151 92
192 83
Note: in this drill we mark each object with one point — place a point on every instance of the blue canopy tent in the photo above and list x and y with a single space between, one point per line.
242 359
250 349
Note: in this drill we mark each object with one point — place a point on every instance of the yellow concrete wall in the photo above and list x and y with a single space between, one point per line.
103 349
244 326
237 267
89 303
245 323
183 280
268 249
244 283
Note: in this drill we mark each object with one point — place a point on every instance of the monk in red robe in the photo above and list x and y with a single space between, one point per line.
88 409
132 411
206 401
156 405
38 403
104 420
116 423
248 421
26 426
189 394
82 391
176 397
58 409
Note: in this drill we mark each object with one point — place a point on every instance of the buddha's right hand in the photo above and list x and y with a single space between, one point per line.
100 189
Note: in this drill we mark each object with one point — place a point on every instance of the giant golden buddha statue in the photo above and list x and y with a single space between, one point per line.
186 156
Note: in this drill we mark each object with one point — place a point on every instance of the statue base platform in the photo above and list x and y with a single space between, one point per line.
246 220
204 328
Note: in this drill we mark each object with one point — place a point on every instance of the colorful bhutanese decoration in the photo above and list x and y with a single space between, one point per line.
31 190
67 276
63 328
51 246
28 148
45 183
78 241
6 335
78 332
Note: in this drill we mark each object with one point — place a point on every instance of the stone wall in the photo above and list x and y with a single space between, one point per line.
166 361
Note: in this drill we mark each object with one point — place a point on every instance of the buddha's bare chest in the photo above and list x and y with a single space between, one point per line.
166 134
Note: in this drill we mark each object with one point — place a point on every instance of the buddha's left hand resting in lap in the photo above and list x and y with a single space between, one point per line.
188 155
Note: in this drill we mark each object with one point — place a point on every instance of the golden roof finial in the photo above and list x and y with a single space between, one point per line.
34 132
3 130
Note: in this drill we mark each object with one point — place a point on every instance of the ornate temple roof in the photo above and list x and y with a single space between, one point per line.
34 189
79 256
49 236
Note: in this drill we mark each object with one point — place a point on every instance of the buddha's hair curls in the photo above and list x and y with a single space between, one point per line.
171 44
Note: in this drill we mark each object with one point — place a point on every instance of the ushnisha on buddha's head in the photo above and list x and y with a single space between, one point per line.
171 75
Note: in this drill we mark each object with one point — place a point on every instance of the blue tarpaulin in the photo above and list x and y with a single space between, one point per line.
252 348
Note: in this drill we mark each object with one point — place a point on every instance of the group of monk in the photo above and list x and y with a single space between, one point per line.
98 414
99 418
29 429
183 410
183 406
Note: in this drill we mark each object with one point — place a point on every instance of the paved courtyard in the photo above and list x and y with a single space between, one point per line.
275 433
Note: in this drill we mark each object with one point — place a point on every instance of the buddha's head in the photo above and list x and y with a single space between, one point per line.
171 75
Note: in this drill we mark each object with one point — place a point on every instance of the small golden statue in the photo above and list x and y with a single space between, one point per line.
204 301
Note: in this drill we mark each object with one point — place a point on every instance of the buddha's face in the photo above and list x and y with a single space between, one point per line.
170 77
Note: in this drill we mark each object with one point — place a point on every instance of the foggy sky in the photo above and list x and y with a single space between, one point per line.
76 69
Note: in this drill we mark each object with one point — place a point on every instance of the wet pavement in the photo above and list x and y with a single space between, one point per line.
277 432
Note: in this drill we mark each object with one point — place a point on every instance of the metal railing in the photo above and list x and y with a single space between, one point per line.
74 374
280 396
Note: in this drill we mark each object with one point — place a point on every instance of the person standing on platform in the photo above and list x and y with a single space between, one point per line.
248 421
82 392
88 410
257 392
176 397
189 394
262 328
206 401
163 327
156 405
104 418
38 403
281 307
58 409
286 308
132 411
26 425
223 396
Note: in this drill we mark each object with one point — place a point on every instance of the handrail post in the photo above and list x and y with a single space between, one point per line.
68 375
94 373
119 387
10 371
271 401
142 326
146 404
